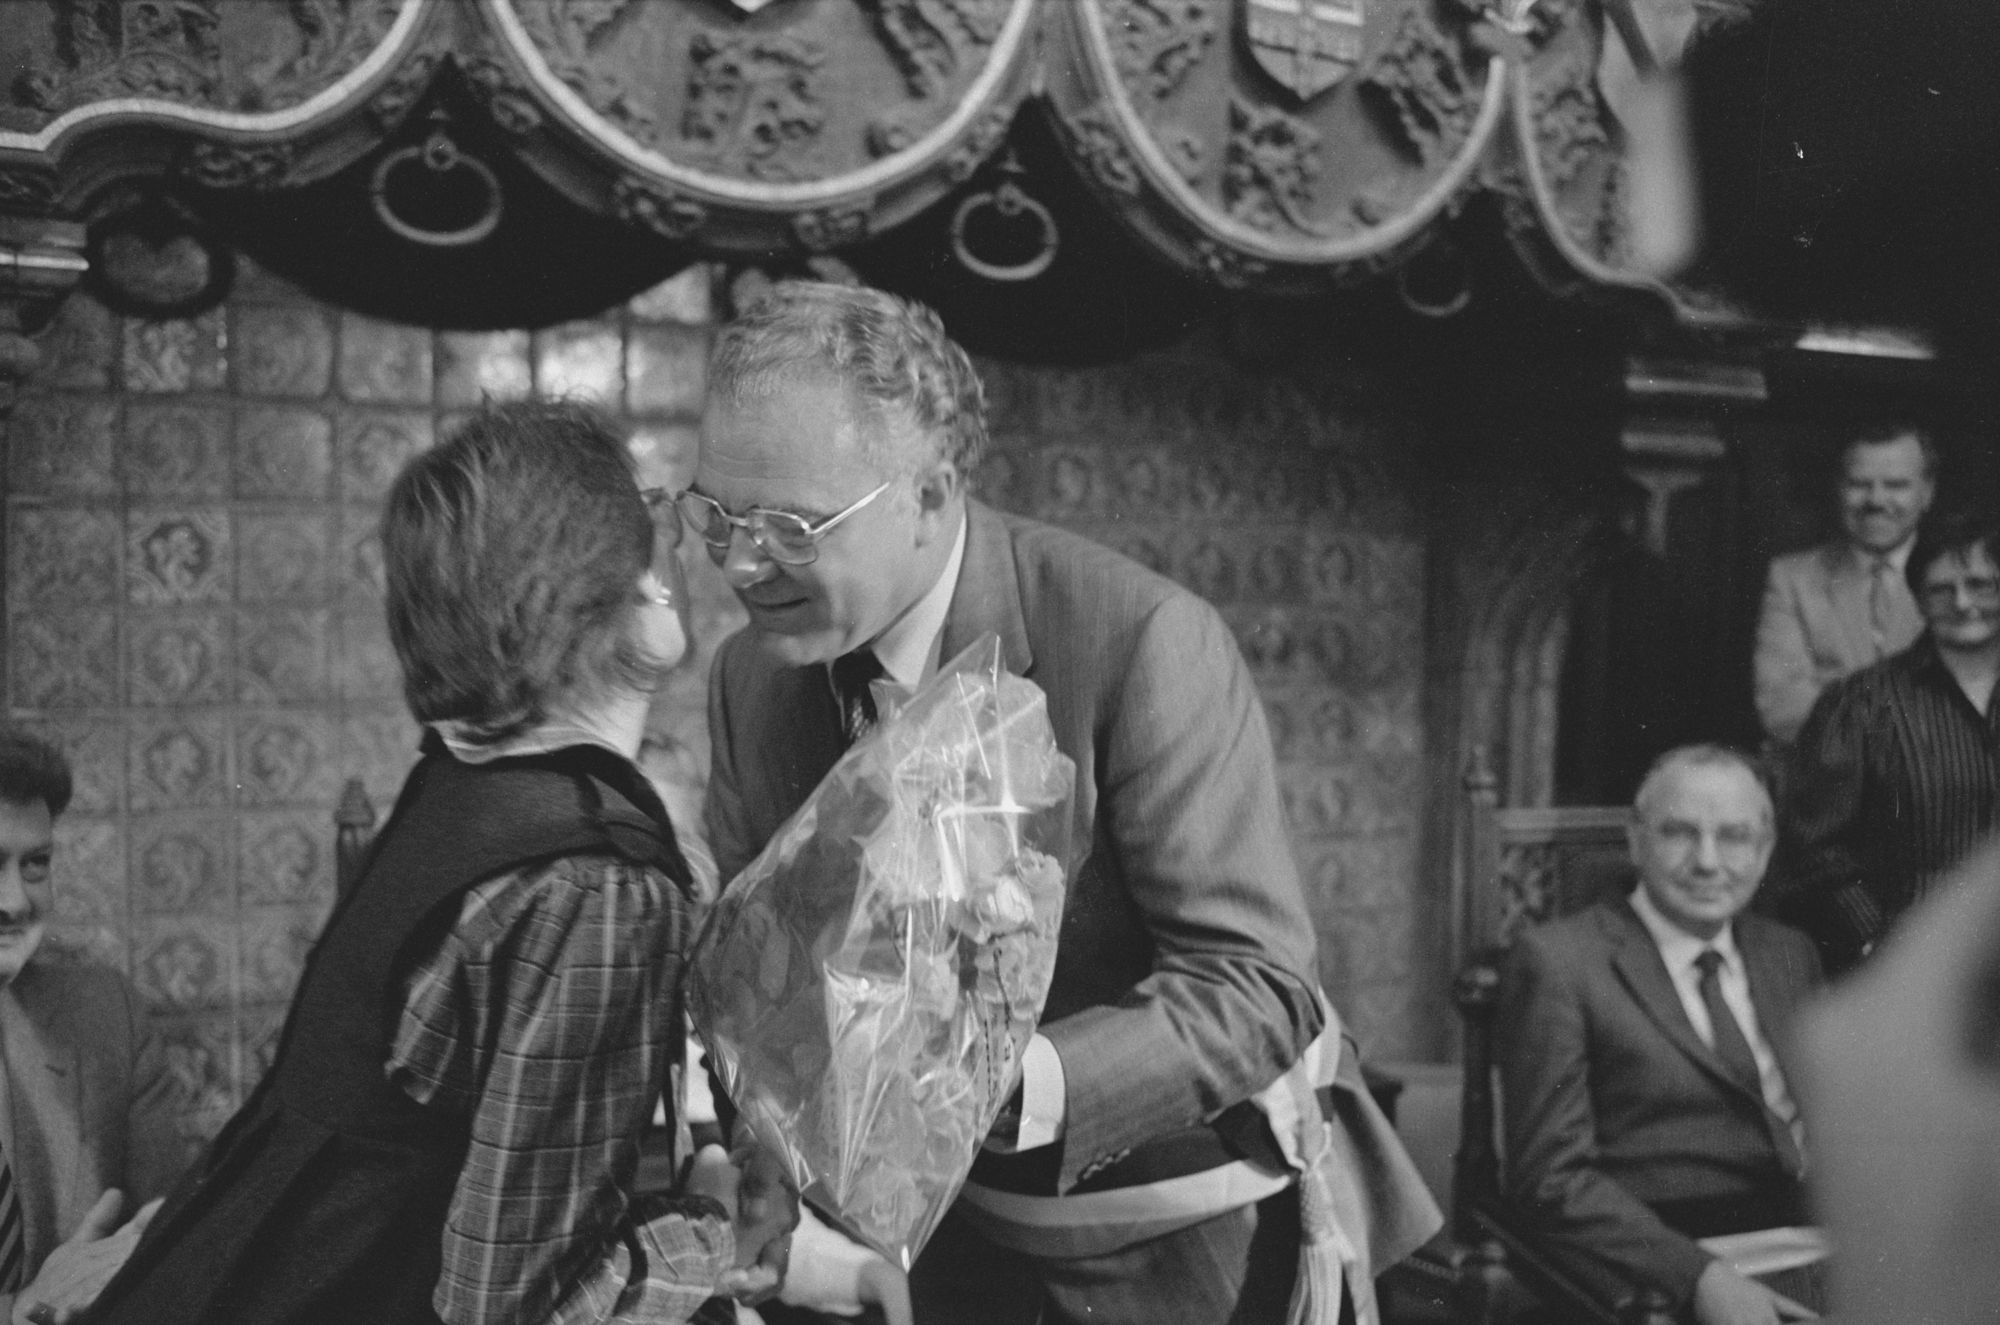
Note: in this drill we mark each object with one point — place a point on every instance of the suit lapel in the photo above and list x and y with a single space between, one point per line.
988 596
818 741
1847 591
1776 985
1639 965
45 1103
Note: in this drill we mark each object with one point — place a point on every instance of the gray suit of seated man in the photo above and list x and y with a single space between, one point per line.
1645 1100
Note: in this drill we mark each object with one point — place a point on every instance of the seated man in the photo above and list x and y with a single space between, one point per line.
1897 774
1832 609
86 1122
1644 1103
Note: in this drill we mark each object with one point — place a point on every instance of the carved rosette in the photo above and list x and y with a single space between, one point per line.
790 125
1274 144
237 94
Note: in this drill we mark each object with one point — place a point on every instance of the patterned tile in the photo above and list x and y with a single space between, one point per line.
275 941
373 449
283 453
666 370
286 757
1207 567
379 748
200 1052
95 748
63 446
259 1032
1275 572
177 556
281 655
64 659
580 359
364 664
80 941
687 297
285 856
89 870
358 557
178 760
66 555
181 865
80 346
1320 801
179 355
283 350
665 454
383 362
185 963
176 451
282 556
476 366
177 657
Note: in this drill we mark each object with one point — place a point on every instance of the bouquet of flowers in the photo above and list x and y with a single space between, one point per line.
866 987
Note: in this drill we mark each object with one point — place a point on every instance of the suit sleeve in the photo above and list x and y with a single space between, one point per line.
1188 800
1785 679
1825 892
1595 1228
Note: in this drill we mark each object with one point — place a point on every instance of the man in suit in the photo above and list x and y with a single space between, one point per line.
86 1116
841 429
1645 1101
1833 609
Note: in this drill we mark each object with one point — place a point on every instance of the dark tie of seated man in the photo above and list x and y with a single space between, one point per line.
1641 1048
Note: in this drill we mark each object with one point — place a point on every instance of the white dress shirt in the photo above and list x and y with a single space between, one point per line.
1679 950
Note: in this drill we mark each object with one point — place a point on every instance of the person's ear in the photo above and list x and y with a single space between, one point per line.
939 490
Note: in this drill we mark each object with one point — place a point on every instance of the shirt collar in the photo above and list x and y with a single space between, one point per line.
557 733
908 649
1898 556
1678 948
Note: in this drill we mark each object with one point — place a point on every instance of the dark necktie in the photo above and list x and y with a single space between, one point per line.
852 675
11 1253
1733 1048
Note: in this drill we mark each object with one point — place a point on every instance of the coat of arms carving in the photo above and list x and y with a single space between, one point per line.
1307 45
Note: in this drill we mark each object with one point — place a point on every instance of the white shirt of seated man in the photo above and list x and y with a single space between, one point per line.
1701 840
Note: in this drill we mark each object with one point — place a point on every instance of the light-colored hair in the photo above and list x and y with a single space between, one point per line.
891 355
1701 756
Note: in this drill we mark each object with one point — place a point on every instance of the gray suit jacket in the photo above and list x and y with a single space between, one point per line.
88 1101
1612 1103
1815 628
1185 976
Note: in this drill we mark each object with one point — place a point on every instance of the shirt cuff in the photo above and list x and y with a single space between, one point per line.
1044 1095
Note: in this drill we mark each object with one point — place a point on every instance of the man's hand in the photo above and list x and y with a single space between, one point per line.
76 1272
831 1275
1724 1297
751 1184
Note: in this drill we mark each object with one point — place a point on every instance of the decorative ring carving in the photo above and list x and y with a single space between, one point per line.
440 156
1009 200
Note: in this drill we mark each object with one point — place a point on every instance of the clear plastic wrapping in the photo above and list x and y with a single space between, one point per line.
867 985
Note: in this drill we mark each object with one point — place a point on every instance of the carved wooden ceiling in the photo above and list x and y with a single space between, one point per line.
1276 145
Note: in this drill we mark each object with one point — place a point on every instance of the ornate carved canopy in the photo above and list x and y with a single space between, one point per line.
1281 145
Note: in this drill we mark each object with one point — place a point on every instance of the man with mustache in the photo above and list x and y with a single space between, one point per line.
85 1113
1897 773
1838 607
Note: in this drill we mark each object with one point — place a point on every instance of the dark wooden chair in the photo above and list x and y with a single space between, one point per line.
1523 866
353 826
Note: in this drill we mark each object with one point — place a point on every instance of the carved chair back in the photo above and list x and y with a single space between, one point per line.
353 827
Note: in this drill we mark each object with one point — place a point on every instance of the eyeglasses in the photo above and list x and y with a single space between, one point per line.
789 539
1982 590
667 534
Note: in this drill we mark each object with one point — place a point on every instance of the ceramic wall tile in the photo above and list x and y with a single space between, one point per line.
364 664
285 856
477 366
283 350
182 867
581 359
284 453
687 297
89 869
94 746
63 446
283 556
62 556
666 454
176 450
379 747
185 963
358 558
259 1031
666 370
179 759
384 362
64 659
178 656
183 354
274 942
282 654
286 757
80 346
201 1056
177 555
374 446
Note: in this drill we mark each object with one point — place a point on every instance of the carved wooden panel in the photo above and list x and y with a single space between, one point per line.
791 124
1274 142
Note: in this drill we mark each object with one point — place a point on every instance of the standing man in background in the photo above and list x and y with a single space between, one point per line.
841 430
1833 609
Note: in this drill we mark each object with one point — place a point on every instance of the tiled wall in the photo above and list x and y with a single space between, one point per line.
193 606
